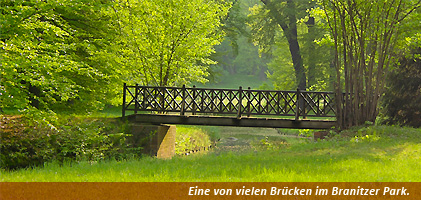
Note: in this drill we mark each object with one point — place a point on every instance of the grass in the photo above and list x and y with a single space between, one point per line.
190 138
390 154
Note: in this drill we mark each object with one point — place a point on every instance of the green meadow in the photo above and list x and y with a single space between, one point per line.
372 154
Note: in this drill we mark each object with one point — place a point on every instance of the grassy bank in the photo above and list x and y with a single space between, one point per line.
373 154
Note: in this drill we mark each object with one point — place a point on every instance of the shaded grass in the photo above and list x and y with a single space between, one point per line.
393 157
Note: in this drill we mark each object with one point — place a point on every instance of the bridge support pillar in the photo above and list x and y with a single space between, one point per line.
156 140
166 141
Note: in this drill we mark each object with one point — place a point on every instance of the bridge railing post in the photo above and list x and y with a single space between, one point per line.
183 100
297 105
248 101
136 98
123 111
194 100
162 92
240 102
144 97
303 104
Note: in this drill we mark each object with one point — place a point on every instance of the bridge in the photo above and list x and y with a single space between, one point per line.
229 107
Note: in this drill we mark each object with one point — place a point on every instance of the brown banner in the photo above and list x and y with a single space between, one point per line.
207 190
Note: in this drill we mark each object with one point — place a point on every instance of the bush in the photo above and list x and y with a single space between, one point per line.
402 100
25 143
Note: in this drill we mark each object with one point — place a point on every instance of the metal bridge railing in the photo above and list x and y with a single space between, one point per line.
239 102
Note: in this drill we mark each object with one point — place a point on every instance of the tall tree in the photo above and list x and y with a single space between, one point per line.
268 17
237 54
401 103
364 34
168 42
51 54
402 100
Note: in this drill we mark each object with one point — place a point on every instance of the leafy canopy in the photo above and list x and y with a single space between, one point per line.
51 53
168 42
75 54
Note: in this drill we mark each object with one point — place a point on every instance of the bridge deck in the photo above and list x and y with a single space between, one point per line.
229 121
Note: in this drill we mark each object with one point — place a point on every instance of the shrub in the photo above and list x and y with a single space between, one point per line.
402 100
25 143
368 134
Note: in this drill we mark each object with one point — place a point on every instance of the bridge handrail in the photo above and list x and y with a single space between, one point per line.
252 90
299 103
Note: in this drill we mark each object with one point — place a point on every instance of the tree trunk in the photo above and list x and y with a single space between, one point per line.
364 34
290 32
289 28
311 36
34 93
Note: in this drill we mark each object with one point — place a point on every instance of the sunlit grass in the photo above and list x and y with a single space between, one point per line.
394 157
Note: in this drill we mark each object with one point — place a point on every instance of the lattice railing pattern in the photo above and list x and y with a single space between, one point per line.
228 101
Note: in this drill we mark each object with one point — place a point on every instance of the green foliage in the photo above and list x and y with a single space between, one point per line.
73 56
237 54
235 80
167 42
52 54
234 25
364 51
247 60
269 19
213 132
25 144
368 134
190 138
281 70
274 38
379 134
269 143
305 132
265 143
402 99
